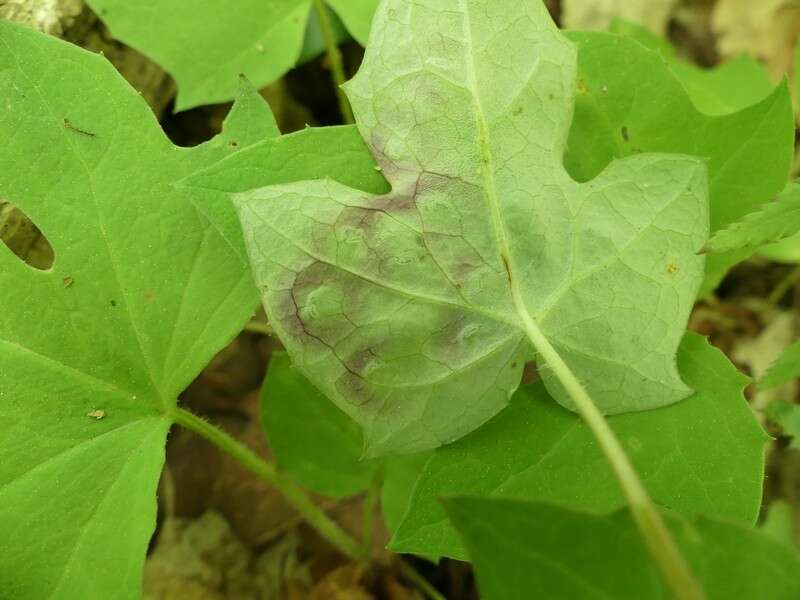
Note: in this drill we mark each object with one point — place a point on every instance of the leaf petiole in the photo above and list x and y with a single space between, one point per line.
295 495
670 562
335 59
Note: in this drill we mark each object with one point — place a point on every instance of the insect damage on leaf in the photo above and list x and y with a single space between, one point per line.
408 309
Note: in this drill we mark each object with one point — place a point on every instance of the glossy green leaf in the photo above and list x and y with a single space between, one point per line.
787 415
408 310
206 45
786 368
93 353
629 102
704 455
771 223
524 550
729 87
149 282
312 440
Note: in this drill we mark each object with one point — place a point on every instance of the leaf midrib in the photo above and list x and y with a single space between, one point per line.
487 171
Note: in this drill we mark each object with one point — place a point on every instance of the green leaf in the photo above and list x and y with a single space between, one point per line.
779 523
785 251
338 153
787 415
729 87
312 440
704 455
410 310
527 549
629 102
144 290
400 475
206 45
771 223
786 368
148 283
356 16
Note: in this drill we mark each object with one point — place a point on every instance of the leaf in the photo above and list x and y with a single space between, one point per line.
778 523
410 310
526 549
148 284
703 455
400 475
628 103
724 89
206 46
335 152
356 16
787 415
771 223
313 441
786 368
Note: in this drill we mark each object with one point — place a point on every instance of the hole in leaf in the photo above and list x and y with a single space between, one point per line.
24 238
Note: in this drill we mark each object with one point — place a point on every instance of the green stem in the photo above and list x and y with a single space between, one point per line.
290 490
261 327
423 584
786 284
335 59
370 503
673 567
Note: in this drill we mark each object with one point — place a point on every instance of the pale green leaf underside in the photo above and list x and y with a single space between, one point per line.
399 307
206 45
629 102
704 455
523 550
772 223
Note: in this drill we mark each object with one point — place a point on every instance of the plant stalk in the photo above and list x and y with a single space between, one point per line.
783 287
423 584
255 326
310 512
335 59
662 547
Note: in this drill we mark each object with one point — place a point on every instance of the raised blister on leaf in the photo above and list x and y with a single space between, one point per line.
409 309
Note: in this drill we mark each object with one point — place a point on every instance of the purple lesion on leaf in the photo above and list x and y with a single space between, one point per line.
354 388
